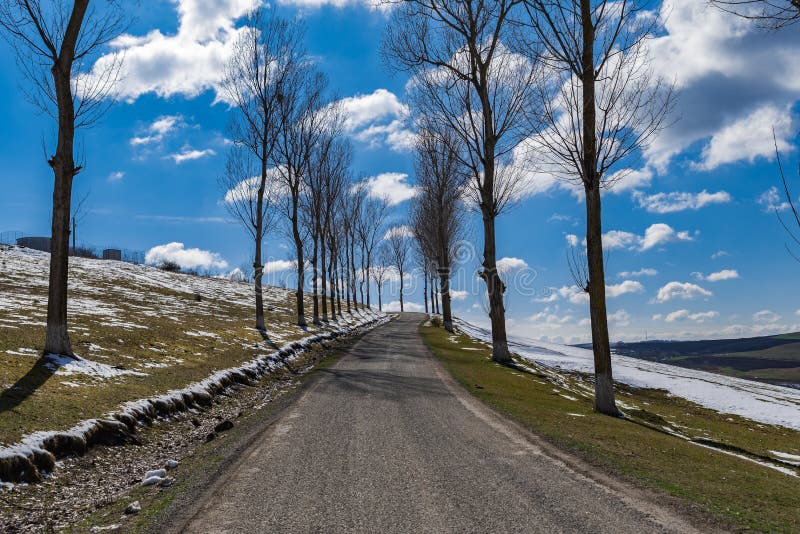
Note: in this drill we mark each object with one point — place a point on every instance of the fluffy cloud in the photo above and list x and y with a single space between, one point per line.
506 265
719 254
656 234
394 306
620 318
724 274
628 286
677 201
189 154
766 316
645 271
186 63
734 83
157 130
278 266
660 233
115 176
378 119
187 258
399 230
572 240
681 315
456 294
772 200
390 185
681 290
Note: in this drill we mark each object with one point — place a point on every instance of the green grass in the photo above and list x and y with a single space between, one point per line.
737 492
128 317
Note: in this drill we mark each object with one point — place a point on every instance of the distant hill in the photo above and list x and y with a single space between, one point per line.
773 359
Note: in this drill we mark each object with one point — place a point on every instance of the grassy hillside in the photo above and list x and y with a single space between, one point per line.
663 444
774 359
139 330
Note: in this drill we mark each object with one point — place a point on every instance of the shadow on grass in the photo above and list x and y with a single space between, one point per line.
42 370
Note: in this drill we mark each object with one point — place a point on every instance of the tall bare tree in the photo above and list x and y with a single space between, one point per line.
399 245
55 43
302 124
602 107
262 66
370 229
772 14
468 77
380 271
438 214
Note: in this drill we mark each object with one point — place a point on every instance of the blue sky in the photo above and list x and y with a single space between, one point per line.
700 252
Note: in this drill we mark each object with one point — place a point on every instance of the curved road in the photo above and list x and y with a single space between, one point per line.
385 441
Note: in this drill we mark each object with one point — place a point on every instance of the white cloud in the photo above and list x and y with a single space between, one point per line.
186 63
645 271
678 201
158 129
628 286
772 201
680 315
402 230
660 233
766 316
390 185
506 265
733 84
630 179
187 258
572 240
115 176
750 137
378 119
681 290
724 274
656 234
189 154
620 318
457 294
380 5
719 254
277 266
394 306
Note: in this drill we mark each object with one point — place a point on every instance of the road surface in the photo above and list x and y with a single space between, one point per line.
385 441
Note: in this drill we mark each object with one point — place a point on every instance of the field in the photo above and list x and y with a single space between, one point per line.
772 359
139 332
721 466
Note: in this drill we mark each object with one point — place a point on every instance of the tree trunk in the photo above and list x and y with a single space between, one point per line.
63 164
301 268
603 382
447 317
332 289
324 281
353 273
314 283
401 291
367 276
425 290
380 301
495 289
436 294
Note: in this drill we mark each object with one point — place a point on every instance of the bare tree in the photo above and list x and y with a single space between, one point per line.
399 246
771 14
54 43
469 78
369 229
262 65
380 271
302 123
438 215
602 107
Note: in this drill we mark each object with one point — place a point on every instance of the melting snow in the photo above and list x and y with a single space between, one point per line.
765 403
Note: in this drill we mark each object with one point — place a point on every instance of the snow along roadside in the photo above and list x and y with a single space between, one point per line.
36 453
757 401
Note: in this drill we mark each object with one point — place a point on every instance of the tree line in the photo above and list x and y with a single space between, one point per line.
563 86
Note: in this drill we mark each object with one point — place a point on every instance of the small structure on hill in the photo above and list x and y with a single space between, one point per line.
36 243
112 254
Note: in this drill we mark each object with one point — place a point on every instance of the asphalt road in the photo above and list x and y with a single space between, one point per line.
385 441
